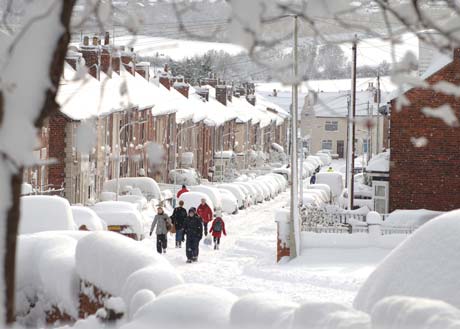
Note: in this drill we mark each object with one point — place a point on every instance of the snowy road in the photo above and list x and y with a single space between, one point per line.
246 262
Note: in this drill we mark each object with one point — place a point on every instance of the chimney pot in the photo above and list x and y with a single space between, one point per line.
95 41
107 38
86 40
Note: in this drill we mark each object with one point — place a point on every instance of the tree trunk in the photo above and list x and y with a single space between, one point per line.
50 106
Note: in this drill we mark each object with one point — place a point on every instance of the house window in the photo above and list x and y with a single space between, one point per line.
380 196
365 145
331 126
326 144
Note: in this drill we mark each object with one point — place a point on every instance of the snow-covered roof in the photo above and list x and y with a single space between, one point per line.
335 104
379 163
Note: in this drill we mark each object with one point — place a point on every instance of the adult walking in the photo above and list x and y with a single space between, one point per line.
162 222
178 219
205 212
193 229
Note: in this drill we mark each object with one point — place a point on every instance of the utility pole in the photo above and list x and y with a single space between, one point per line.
294 215
351 129
369 134
377 140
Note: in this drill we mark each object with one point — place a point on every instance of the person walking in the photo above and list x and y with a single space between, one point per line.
178 218
313 179
217 228
182 191
163 224
205 212
193 229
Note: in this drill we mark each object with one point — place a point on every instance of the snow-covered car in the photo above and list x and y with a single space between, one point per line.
229 201
316 161
269 185
284 171
247 194
86 219
334 180
138 200
361 199
211 192
265 189
322 187
122 217
184 176
40 213
325 158
253 192
259 193
237 193
148 186
319 194
193 199
281 179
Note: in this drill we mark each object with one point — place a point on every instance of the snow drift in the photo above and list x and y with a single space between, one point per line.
425 265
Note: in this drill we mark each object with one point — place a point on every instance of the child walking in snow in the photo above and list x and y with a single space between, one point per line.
217 228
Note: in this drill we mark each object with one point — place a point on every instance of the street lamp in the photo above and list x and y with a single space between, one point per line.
119 153
175 160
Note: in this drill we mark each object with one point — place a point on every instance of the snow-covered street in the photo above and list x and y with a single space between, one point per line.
246 262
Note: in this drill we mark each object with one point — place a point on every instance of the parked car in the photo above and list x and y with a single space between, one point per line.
37 217
121 217
211 192
184 176
86 219
229 201
237 193
193 199
148 186
325 158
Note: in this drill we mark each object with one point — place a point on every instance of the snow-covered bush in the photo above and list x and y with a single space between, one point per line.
108 259
191 305
153 278
425 265
37 217
262 311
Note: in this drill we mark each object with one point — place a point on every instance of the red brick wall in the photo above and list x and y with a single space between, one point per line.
57 124
91 55
426 177
106 60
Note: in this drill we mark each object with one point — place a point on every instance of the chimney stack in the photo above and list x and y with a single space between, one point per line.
95 41
221 94
107 38
86 40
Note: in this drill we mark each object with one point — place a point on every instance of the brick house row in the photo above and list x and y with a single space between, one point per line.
424 150
125 105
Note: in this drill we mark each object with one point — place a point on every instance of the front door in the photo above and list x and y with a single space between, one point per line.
340 149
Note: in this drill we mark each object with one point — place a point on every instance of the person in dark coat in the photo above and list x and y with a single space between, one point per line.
205 212
313 179
193 229
162 222
217 228
178 218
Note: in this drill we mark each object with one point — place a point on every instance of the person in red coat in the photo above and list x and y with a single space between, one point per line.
205 212
182 191
217 228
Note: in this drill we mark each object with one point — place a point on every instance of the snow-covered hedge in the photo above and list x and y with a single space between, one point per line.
107 260
425 265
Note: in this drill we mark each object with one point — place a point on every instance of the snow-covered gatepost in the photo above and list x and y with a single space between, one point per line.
27 98
283 238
